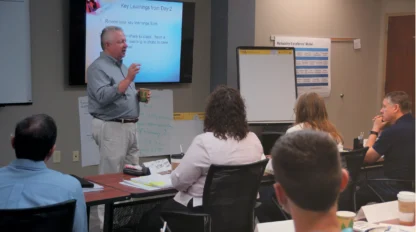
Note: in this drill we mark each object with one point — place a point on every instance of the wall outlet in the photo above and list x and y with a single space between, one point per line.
57 157
75 156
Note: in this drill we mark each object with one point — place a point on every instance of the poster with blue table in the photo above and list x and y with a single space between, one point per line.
313 62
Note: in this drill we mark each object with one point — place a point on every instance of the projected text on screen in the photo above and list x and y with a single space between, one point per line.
153 31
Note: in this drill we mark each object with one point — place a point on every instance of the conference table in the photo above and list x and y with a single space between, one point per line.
107 197
113 181
115 192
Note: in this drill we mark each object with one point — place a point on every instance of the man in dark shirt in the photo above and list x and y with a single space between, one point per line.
393 136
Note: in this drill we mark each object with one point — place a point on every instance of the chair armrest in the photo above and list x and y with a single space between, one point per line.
384 180
387 179
184 214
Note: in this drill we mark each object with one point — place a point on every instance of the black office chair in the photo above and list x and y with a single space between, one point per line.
50 218
268 139
401 185
187 222
285 215
353 161
230 194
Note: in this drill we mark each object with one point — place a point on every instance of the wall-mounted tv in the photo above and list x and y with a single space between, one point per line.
159 34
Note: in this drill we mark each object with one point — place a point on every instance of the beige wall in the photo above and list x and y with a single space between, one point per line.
389 7
51 95
355 73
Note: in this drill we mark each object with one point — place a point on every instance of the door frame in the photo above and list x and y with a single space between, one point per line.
386 24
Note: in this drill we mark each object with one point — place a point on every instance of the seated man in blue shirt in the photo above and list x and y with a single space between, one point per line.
26 182
395 141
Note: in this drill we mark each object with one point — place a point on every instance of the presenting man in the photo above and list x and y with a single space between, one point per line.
396 142
114 103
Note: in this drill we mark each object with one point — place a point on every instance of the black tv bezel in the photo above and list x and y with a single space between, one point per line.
77 44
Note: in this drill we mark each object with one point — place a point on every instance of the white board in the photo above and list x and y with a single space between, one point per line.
155 124
15 57
159 134
89 149
266 79
187 129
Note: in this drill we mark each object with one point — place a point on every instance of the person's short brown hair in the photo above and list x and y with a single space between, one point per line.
307 165
225 114
400 98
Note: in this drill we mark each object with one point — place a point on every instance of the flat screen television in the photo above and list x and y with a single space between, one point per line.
159 35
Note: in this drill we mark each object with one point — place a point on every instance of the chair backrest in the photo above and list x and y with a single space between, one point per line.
230 194
268 139
57 217
187 222
354 161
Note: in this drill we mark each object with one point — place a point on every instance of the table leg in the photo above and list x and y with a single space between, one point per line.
108 217
88 217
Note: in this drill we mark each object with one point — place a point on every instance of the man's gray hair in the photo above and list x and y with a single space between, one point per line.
400 98
105 34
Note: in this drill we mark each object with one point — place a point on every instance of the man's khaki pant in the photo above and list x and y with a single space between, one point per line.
118 145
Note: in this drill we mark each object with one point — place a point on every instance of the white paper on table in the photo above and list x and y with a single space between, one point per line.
399 228
381 212
138 185
360 215
158 166
363 226
286 226
153 179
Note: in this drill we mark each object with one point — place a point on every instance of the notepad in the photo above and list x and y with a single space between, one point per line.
137 185
154 180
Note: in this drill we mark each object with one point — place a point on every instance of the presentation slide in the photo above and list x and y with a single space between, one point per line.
153 31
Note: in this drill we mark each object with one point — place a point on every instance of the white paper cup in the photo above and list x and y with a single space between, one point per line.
346 219
406 208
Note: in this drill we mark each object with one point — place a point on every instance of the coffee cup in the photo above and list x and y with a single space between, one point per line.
175 160
406 202
143 94
357 144
346 219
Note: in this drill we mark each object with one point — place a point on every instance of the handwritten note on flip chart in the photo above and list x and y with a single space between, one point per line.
89 149
155 124
187 129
